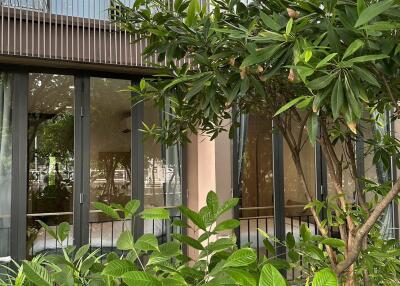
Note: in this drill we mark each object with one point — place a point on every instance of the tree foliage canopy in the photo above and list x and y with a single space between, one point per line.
330 68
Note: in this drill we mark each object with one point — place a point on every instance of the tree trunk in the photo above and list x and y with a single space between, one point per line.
351 276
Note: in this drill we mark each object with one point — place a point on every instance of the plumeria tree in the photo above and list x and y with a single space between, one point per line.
327 68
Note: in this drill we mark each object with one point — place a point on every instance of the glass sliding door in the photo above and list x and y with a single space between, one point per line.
162 178
5 164
256 185
110 157
50 158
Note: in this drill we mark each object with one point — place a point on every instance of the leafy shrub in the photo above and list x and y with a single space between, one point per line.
145 262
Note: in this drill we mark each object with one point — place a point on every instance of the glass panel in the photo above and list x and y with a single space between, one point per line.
110 156
162 178
257 208
294 193
295 199
39 5
5 163
50 157
93 9
376 172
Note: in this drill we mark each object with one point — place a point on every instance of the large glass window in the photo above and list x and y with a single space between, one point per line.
110 156
50 157
295 198
5 163
257 207
162 177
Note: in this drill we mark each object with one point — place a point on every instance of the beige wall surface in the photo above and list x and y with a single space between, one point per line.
208 169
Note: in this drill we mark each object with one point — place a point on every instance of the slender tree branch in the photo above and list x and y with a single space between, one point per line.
363 231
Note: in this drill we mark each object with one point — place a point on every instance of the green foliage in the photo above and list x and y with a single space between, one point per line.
145 262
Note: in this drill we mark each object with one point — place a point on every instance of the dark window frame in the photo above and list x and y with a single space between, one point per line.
81 146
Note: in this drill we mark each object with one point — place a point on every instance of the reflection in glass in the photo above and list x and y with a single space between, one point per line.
5 163
50 157
295 199
257 208
375 171
110 156
162 177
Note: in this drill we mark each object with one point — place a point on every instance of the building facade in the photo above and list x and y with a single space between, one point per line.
70 136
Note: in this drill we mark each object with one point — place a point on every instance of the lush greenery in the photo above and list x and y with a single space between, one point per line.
145 262
328 71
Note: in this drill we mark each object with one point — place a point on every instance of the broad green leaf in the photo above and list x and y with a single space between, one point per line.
117 267
334 242
337 98
212 202
305 232
307 55
269 22
174 280
367 58
312 127
64 278
131 207
188 240
303 71
241 257
63 231
227 224
108 210
366 76
289 26
354 103
325 277
290 241
226 206
260 56
170 248
289 105
139 278
242 277
125 241
270 276
319 99
353 47
155 213
360 6
36 274
321 82
372 11
221 244
269 247
194 6
81 252
48 229
325 60
193 216
147 242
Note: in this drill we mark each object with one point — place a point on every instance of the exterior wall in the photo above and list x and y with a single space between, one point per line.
70 36
208 169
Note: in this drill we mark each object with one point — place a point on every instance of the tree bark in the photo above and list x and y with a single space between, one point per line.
359 235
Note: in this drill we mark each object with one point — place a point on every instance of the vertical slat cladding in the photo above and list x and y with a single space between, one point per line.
44 33
14 41
26 33
110 42
70 30
56 32
2 28
8 29
50 36
20 31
